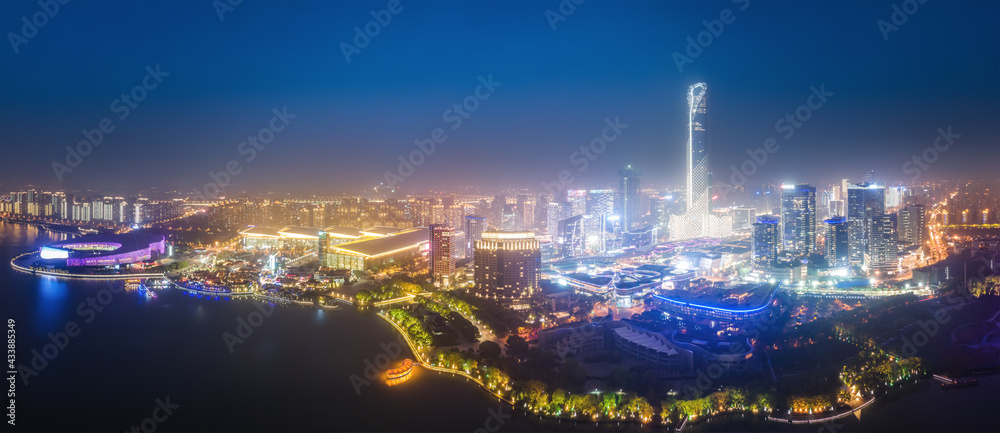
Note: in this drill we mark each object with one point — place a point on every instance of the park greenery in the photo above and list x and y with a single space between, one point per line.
727 400
388 291
987 286
415 329
874 371
550 386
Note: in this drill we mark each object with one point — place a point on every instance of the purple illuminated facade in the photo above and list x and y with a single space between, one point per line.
106 250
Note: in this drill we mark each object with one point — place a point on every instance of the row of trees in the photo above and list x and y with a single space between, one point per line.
385 292
432 306
875 370
499 320
414 327
811 404
610 405
494 378
729 399
988 286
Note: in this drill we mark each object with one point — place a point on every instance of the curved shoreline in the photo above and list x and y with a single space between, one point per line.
413 348
77 276
421 362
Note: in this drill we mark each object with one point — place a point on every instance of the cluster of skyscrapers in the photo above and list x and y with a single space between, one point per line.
113 210
868 235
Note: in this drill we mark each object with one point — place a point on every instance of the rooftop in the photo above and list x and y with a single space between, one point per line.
260 231
645 340
385 245
297 232
379 231
740 297
343 232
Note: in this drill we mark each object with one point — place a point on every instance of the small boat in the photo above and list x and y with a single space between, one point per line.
960 384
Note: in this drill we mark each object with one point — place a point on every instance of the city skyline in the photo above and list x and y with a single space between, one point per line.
500 215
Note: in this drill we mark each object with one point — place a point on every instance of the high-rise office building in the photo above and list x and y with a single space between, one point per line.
837 245
553 215
526 207
627 202
698 183
882 252
836 207
474 227
864 201
600 205
573 235
507 267
496 212
576 203
765 239
911 220
441 252
743 217
798 218
894 196
509 218
698 220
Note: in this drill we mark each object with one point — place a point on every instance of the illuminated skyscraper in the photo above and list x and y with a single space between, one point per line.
441 249
698 220
911 224
882 251
864 201
837 241
798 217
507 267
474 227
765 239
627 202
698 185
600 205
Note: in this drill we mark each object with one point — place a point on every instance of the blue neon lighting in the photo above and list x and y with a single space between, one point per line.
753 310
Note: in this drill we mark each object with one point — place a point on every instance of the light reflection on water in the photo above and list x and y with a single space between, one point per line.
53 294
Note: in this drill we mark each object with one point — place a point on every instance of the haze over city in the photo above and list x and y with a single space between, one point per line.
607 59
500 216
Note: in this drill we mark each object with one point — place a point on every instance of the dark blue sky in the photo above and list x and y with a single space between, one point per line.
940 68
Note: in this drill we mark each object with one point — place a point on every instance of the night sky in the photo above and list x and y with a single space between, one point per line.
353 119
